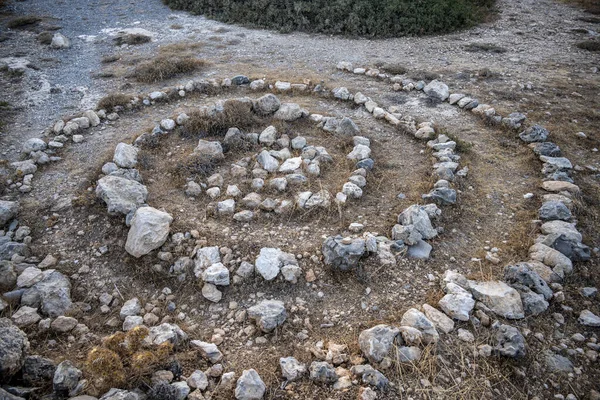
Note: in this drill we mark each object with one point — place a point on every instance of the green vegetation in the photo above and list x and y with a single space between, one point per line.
374 18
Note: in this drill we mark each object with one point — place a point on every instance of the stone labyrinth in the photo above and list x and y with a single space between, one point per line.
289 162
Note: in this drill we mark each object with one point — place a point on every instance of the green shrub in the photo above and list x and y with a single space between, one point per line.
375 18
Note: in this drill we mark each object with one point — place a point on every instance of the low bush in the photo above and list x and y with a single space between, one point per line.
374 18
23 21
112 100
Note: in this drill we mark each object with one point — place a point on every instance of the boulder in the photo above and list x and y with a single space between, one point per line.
323 373
149 230
509 342
534 133
52 294
554 210
438 90
125 155
166 332
498 297
291 369
250 386
268 314
209 151
417 216
34 144
121 195
289 112
377 342
416 319
266 105
14 346
343 253
457 305
8 210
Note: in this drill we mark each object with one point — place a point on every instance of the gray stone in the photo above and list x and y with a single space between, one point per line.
418 217
268 136
291 165
533 303
25 316
34 144
37 371
121 195
548 149
289 112
210 351
347 127
291 369
439 319
149 230
441 195
211 293
557 363
125 155
14 346
457 305
217 274
437 90
205 257
267 161
52 294
553 210
416 319
8 276
352 190
166 333
63 324
509 342
66 378
268 263
250 386
343 254
209 151
588 318
535 133
323 373
377 342
60 41
268 314
131 322
119 394
24 167
420 250
266 105
226 207
498 297
360 152
8 210
298 143
198 380
523 274
130 307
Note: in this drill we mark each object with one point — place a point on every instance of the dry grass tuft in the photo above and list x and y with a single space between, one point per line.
112 100
394 68
45 37
485 47
132 39
235 114
589 45
123 361
163 67
23 21
110 58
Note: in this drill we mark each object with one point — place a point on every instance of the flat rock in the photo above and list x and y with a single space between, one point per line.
498 297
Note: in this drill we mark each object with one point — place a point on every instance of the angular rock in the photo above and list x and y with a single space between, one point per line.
343 254
323 373
553 210
121 195
250 386
166 332
52 295
588 318
268 314
291 369
416 319
439 319
208 151
437 90
66 378
217 274
125 155
210 351
535 133
509 342
523 274
268 263
266 105
8 210
377 342
417 216
498 297
14 346
149 230
458 305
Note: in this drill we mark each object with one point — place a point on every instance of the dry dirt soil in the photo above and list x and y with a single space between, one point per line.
534 67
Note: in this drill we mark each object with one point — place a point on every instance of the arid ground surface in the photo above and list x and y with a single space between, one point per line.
526 59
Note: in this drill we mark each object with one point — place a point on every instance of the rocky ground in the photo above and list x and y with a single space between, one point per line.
311 253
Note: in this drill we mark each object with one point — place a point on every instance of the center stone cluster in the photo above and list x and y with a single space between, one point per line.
282 164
